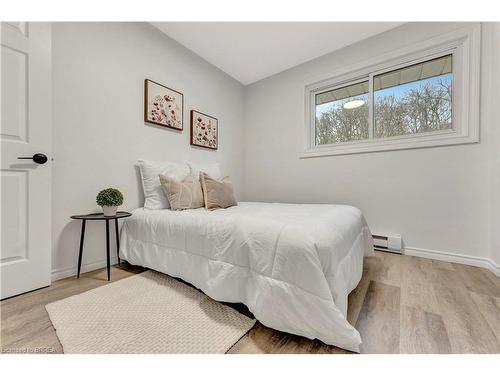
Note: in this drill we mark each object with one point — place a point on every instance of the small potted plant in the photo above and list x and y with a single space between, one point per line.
109 199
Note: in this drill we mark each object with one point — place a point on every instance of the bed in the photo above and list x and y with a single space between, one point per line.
292 265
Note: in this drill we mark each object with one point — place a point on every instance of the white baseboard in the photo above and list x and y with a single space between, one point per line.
454 258
62 273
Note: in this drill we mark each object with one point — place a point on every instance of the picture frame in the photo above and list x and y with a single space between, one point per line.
204 130
163 106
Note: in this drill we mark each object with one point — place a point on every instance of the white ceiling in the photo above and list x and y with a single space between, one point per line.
250 51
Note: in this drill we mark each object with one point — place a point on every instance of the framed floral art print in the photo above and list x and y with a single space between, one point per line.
163 106
204 130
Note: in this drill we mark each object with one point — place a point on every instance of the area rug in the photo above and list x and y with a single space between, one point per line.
146 313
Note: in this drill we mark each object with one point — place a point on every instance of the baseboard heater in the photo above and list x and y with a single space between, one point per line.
392 244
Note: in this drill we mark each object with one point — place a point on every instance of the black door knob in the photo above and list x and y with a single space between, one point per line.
37 158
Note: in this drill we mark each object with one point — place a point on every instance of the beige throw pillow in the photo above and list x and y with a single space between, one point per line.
183 194
217 193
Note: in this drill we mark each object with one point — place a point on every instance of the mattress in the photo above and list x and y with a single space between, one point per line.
292 265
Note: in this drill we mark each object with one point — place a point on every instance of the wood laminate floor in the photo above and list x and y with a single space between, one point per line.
403 304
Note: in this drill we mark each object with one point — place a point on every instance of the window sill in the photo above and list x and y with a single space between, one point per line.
390 144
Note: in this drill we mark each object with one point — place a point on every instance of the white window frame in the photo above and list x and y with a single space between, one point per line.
462 44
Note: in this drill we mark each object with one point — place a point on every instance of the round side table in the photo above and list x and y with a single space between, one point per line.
100 216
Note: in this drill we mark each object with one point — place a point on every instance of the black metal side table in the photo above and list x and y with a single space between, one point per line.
100 216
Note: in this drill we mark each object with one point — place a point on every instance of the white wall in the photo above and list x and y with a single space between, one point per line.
439 199
99 133
491 100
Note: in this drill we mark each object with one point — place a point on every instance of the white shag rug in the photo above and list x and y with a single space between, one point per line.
146 313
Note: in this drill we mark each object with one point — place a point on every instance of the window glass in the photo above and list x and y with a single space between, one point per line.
342 114
414 99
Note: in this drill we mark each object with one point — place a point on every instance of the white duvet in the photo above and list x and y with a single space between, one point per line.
292 265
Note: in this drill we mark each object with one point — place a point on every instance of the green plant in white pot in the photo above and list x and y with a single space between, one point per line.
109 199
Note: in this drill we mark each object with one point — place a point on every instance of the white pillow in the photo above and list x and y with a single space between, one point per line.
155 198
213 170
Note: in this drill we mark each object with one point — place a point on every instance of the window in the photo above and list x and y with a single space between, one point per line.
342 114
424 99
415 99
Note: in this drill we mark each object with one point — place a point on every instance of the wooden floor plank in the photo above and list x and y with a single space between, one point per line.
264 340
385 267
416 290
422 332
490 309
467 329
477 280
378 321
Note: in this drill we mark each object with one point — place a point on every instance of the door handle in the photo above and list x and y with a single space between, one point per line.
37 158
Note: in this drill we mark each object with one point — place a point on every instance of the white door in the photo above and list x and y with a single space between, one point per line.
25 130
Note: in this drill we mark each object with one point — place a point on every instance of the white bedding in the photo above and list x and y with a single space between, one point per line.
292 265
